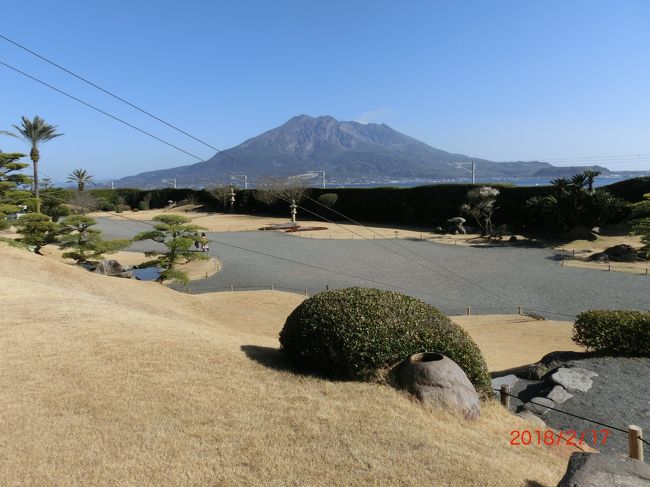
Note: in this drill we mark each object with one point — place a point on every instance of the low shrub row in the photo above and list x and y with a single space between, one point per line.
614 332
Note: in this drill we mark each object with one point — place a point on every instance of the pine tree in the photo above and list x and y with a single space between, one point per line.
177 234
11 196
85 243
37 230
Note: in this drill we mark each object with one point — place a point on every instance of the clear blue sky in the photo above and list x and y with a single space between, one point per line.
502 80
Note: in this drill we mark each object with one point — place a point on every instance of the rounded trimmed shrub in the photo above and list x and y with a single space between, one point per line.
328 199
358 332
615 332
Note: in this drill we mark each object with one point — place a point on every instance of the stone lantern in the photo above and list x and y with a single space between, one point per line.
232 199
294 210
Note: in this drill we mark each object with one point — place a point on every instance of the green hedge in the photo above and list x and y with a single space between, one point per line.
428 206
630 190
356 333
614 332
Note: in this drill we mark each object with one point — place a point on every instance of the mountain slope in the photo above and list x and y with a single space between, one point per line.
342 149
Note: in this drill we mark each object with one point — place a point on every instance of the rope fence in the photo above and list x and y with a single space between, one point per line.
535 313
634 433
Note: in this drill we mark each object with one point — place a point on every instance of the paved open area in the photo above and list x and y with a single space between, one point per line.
487 279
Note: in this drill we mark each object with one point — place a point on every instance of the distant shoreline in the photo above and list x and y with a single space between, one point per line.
405 183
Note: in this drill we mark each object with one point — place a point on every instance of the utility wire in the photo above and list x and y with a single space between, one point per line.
100 110
305 264
571 414
155 117
450 274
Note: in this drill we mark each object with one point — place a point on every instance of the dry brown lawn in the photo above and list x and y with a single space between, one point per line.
108 381
508 341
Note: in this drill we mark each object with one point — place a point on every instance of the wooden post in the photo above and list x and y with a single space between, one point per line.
305 293
232 288
634 435
272 287
505 398
520 310
469 311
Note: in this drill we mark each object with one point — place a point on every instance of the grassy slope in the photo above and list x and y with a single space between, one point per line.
108 381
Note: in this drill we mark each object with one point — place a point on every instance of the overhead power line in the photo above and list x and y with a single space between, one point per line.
446 272
311 266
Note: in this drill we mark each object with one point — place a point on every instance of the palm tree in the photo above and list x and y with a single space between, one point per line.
81 177
35 132
579 181
591 176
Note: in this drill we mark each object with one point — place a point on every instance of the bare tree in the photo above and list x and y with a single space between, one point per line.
221 193
291 190
83 202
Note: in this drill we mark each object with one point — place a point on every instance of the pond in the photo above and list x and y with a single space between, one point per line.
147 273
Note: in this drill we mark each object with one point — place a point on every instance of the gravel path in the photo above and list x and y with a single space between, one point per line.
529 277
620 396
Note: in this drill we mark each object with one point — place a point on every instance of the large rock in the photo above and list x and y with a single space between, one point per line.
623 253
508 380
605 470
559 395
574 378
539 405
112 268
439 383
599 257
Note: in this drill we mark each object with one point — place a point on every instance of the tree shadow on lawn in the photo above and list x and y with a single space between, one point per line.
273 358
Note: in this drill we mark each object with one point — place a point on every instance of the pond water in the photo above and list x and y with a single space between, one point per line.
147 273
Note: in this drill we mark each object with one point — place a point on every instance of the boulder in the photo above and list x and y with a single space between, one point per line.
605 470
559 395
439 382
112 268
623 253
508 380
574 378
599 257
539 405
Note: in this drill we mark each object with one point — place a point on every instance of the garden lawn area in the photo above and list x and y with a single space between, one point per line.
109 381
508 341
